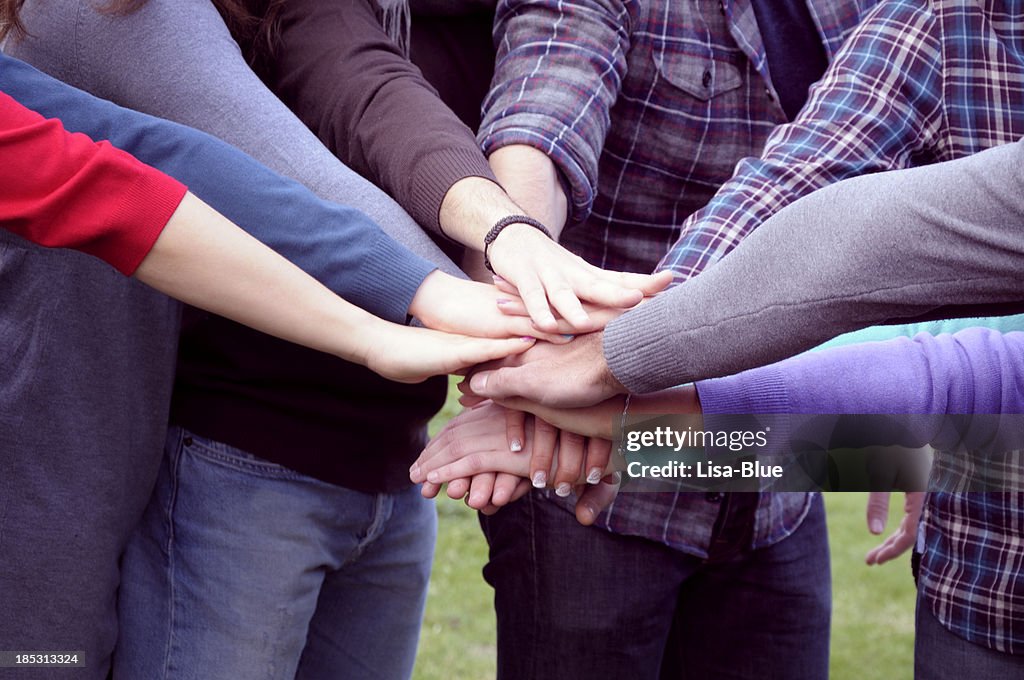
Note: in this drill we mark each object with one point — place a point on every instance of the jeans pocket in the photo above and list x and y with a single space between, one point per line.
225 455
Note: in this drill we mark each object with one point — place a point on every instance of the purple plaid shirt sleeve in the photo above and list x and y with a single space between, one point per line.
558 70
890 69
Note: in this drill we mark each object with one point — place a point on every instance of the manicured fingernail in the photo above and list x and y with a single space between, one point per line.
594 476
876 526
540 479
563 490
515 446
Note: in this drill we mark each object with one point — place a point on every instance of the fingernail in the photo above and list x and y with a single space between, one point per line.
414 471
563 490
589 513
616 477
528 338
594 476
498 279
434 477
478 382
877 526
516 446
503 301
540 479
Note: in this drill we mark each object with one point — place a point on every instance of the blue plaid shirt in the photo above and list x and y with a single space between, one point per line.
917 82
645 106
972 563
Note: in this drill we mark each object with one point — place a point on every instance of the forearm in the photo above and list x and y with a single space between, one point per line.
385 121
872 249
64 190
977 371
175 59
204 260
341 246
531 179
558 71
870 112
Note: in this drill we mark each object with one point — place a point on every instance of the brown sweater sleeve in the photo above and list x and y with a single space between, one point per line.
340 73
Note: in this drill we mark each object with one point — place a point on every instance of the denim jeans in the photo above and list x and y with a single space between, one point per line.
245 569
941 655
576 602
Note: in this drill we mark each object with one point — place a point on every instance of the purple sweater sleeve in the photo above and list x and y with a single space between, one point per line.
977 370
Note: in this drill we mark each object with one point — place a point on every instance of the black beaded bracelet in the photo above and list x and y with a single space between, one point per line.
500 226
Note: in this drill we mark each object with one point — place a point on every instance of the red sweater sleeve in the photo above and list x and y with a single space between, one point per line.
63 190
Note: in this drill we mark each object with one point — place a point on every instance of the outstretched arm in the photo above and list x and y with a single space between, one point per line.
64 190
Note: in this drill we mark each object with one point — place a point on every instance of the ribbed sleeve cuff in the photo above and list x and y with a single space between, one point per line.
142 213
387 282
758 391
435 177
640 351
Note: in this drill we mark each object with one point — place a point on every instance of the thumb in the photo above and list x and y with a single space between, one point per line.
877 511
498 384
597 498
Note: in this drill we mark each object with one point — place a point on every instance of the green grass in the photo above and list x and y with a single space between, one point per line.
872 621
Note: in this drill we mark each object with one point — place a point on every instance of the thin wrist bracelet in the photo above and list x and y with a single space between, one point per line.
622 424
500 226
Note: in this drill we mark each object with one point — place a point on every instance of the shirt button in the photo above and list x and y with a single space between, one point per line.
769 93
712 497
706 79
721 7
187 441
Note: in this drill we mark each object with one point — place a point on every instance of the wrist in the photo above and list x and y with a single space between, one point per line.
513 222
430 294
470 207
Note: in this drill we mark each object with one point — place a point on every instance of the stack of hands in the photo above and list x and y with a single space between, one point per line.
542 415
544 293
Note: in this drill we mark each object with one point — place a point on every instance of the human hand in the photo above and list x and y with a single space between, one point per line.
571 375
446 303
412 355
513 305
549 279
475 443
590 421
475 440
906 533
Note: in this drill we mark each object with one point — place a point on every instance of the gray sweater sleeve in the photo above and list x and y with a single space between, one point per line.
176 59
870 249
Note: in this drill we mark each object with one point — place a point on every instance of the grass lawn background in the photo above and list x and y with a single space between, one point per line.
872 618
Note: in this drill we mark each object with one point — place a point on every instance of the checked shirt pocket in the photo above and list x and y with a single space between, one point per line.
700 77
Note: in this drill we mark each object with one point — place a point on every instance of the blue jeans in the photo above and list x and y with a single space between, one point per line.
941 655
577 602
245 569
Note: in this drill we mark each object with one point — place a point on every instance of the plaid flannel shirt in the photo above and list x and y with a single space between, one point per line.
972 563
917 82
645 106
